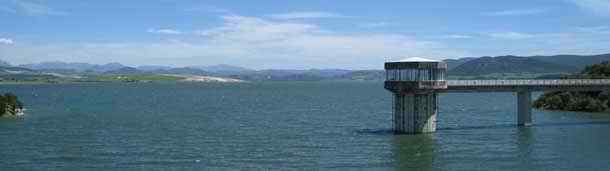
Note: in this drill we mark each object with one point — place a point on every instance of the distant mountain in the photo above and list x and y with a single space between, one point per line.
277 75
125 71
58 65
508 64
569 63
223 69
16 70
108 67
292 75
578 61
459 67
62 71
328 73
4 64
80 67
452 63
364 75
153 67
8 73
182 71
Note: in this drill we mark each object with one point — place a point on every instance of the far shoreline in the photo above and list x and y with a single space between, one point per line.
181 81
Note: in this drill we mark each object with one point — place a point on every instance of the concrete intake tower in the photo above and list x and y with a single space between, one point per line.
414 82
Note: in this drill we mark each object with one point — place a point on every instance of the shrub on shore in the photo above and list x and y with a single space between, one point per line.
590 101
10 104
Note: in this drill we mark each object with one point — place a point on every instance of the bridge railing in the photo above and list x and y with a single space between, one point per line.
567 82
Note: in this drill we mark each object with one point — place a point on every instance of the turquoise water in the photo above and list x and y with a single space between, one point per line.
283 125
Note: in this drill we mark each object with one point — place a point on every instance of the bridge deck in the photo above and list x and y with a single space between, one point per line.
529 85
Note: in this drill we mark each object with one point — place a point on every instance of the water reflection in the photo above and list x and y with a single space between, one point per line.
525 141
535 125
414 152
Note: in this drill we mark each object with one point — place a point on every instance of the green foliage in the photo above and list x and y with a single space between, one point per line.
27 78
135 78
595 101
573 101
597 71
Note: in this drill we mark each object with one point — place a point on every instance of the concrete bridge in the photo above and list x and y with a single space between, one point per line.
416 82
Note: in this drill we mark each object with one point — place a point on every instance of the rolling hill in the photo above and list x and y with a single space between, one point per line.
514 66
578 61
80 67
452 63
509 64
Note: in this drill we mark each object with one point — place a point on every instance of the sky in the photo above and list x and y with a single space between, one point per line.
296 34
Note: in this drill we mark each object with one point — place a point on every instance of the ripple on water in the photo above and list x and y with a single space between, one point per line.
285 125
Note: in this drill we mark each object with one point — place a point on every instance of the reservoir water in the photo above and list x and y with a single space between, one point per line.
284 125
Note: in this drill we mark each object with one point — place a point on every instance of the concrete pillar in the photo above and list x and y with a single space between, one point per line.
524 108
415 113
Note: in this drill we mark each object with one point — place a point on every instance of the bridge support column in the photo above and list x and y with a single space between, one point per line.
415 113
524 108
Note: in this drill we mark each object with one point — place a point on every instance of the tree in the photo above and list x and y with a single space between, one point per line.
591 101
9 104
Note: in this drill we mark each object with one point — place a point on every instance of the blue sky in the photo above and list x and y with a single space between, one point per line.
353 34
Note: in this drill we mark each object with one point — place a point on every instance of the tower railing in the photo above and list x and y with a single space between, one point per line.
566 82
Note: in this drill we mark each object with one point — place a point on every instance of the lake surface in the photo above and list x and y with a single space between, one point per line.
284 125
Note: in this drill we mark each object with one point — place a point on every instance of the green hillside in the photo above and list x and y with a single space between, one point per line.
577 61
592 101
508 64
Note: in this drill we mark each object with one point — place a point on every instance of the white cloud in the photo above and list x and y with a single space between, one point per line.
595 30
511 35
6 41
164 31
549 43
252 29
35 9
457 36
375 24
308 42
600 7
30 8
306 15
516 12
249 41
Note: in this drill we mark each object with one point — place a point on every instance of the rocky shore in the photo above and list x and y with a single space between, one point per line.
10 106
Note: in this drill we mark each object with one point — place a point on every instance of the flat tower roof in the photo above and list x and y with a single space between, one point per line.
417 59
